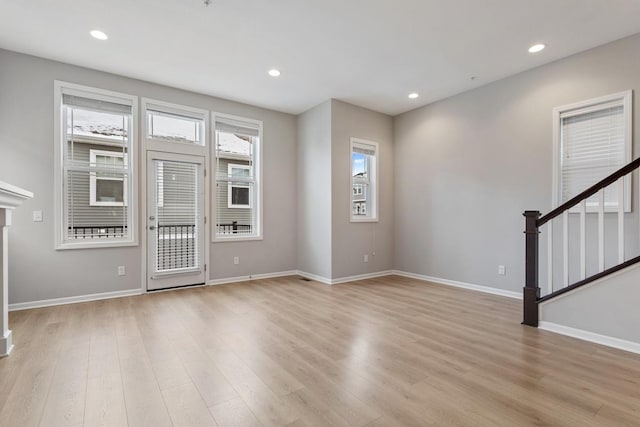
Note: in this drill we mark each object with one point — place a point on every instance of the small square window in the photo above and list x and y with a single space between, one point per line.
239 188
106 187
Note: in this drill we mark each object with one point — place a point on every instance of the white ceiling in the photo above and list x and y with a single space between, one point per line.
367 52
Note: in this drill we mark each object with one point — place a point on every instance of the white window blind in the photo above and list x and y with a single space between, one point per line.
177 216
593 145
363 180
96 141
237 147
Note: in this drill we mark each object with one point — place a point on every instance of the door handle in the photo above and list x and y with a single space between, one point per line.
152 227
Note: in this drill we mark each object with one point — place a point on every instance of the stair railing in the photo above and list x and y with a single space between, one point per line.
534 221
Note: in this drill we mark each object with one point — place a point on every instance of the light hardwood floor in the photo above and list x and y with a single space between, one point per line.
287 352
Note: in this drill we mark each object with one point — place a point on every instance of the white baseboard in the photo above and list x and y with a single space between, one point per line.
6 344
618 343
479 288
361 277
345 279
73 300
236 279
315 277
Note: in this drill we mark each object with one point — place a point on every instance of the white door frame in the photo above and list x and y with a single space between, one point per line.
144 215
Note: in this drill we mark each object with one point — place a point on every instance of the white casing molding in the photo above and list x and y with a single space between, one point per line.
470 286
618 343
73 300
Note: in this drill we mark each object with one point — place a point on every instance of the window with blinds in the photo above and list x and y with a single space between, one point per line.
237 176
594 142
95 146
364 157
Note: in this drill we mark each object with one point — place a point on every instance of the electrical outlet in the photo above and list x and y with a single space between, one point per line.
366 258
502 270
37 216
121 270
236 260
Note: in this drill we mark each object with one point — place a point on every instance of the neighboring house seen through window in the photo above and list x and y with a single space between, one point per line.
239 195
593 140
237 186
107 189
364 158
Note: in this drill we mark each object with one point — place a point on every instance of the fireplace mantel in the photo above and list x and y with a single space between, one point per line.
10 198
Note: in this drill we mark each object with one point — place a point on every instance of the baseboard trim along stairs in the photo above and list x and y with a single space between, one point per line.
581 334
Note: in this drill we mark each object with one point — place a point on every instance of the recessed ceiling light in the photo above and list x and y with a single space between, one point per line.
536 48
98 35
274 73
413 95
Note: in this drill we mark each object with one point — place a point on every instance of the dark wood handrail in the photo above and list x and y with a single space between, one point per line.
630 167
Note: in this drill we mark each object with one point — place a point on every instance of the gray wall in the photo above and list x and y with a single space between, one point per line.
39 272
350 241
606 308
468 166
314 191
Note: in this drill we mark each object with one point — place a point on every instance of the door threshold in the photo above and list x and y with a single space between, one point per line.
173 288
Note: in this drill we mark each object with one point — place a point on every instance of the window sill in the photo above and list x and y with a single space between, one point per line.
364 220
236 239
95 245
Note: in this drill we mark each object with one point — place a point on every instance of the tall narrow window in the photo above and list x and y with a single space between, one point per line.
237 157
593 140
95 195
364 158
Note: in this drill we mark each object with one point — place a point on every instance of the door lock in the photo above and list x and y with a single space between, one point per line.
151 218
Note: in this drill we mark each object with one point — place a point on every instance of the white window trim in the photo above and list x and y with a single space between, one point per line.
230 186
372 181
61 87
159 144
93 178
625 99
258 159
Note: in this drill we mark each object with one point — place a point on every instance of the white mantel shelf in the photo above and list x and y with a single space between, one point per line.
10 198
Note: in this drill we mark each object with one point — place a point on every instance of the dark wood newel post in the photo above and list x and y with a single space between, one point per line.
531 288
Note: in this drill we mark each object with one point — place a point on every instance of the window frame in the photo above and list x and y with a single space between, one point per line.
161 144
60 220
371 180
257 176
93 178
624 99
230 186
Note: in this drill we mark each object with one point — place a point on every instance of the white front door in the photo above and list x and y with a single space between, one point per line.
175 220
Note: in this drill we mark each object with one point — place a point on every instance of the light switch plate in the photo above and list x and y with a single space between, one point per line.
37 216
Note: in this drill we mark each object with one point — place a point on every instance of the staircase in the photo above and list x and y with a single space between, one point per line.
589 202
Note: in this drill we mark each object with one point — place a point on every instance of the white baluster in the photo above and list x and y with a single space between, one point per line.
565 248
550 257
583 239
601 230
621 220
